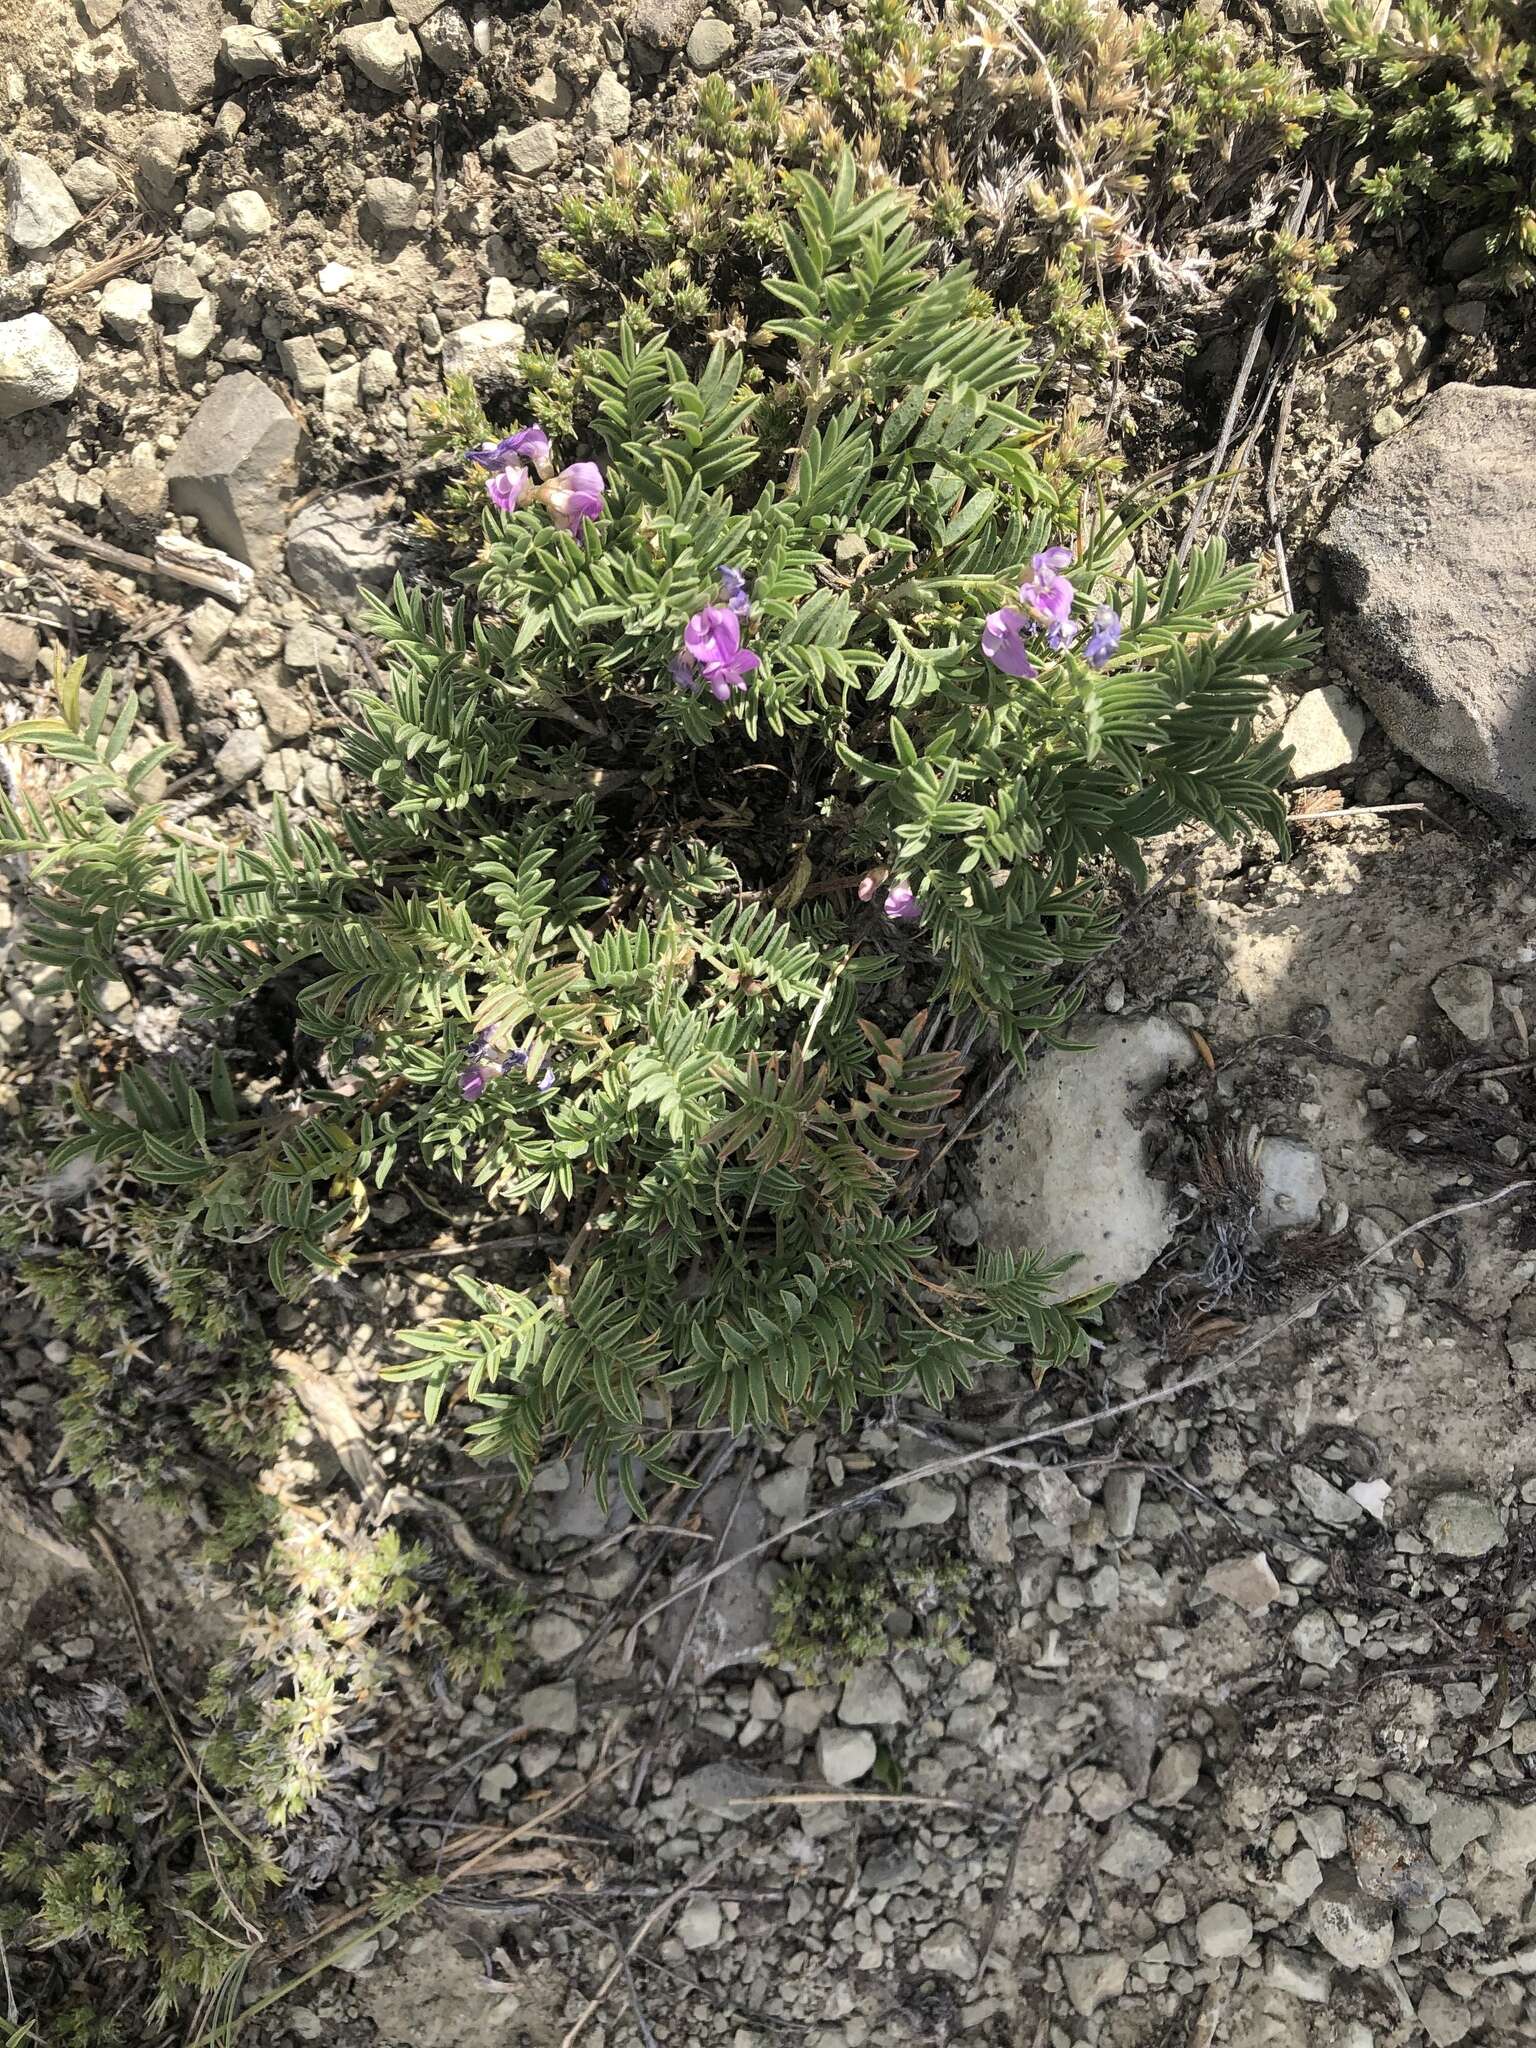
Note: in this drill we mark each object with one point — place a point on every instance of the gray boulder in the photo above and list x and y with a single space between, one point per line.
1430 582
1061 1168
175 44
235 468
342 546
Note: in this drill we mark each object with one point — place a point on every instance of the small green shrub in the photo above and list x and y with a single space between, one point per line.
596 942
832 1615
1445 99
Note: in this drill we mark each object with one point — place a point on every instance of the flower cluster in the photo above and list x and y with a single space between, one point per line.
571 498
1047 597
484 1064
712 654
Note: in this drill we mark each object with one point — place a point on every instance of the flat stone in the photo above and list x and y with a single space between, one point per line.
845 1754
1460 1524
736 1623
175 44
37 365
241 756
1322 1829
987 1521
250 52
486 351
699 1924
1392 1864
719 1789
1292 1186
1297 1973
609 109
1300 1876
38 208
235 467
872 1698
552 1709
1103 1794
950 1952
1318 1640
1323 732
1445 2020
1447 667
158 159
1062 1169
1455 1823
1091 1979
1123 1489
1248 1582
783 1493
1465 994
341 546
1354 1928
304 364
1135 1853
1223 1930
385 52
1176 1774
89 181
1328 1503
532 149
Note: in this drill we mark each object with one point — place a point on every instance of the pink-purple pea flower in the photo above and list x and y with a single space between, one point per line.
528 446
575 496
507 487
1002 642
733 588
483 1065
1103 637
712 654
901 904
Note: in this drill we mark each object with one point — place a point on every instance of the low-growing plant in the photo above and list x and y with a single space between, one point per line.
744 780
1445 99
832 1615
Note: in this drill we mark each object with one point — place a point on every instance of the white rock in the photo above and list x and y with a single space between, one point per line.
1297 1972
950 1952
783 1493
37 365
1090 1979
385 52
1356 1930
1062 1167
532 149
925 1505
1329 1503
987 1519
1465 994
1249 1582
250 52
1223 1930
872 1698
710 42
1445 2020
127 307
241 756
1292 1188
699 1924
845 1754
553 1636
1324 732
243 217
1176 1774
553 1709
1318 1640
38 208
1460 1524
333 278
1135 1853
486 351
608 109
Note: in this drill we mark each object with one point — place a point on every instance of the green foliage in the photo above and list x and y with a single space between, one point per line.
832 1615
721 1062
1115 140
1445 99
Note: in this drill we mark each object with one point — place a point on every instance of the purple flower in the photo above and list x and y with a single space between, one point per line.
1048 594
733 587
527 445
684 670
505 487
1103 637
472 1082
712 640
574 496
1002 642
901 905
